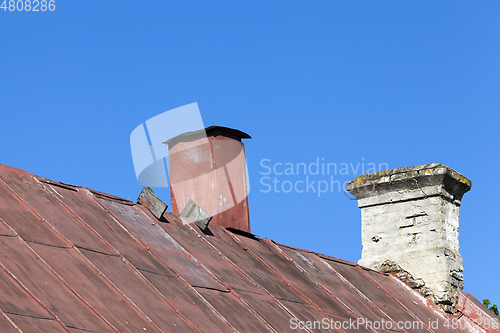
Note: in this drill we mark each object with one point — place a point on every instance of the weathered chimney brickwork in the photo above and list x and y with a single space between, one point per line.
410 227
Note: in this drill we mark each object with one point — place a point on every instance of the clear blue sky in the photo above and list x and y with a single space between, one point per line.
397 82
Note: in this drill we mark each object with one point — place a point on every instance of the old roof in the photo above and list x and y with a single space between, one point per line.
77 260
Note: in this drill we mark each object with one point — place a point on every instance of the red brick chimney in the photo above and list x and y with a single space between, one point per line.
208 166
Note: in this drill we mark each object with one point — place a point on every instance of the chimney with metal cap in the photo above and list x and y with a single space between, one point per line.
208 168
410 227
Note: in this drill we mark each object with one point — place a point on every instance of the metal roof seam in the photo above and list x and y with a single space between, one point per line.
61 279
471 320
356 290
478 327
307 299
156 273
80 329
83 223
40 303
9 228
99 273
40 243
110 197
134 269
220 253
103 276
59 235
180 314
59 184
340 261
99 194
181 248
215 289
214 310
192 287
321 255
85 259
335 298
9 321
478 313
347 307
116 289
395 299
152 287
146 212
27 315
248 291
291 247
291 301
250 309
95 251
76 188
255 313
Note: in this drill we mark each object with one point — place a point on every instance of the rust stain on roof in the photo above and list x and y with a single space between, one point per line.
77 260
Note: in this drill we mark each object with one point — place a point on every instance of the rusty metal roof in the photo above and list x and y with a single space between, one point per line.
77 260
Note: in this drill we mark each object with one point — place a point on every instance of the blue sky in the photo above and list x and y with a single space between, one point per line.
401 83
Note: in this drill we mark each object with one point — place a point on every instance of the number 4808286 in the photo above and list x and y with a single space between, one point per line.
28 5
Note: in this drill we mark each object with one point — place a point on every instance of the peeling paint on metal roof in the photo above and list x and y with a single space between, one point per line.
77 260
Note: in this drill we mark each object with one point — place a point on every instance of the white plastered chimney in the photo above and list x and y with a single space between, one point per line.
410 227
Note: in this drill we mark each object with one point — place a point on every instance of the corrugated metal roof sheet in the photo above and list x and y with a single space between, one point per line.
77 260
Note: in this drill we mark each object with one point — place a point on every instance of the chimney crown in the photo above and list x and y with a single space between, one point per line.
447 182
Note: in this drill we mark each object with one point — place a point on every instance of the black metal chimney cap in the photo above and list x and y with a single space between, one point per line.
209 131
